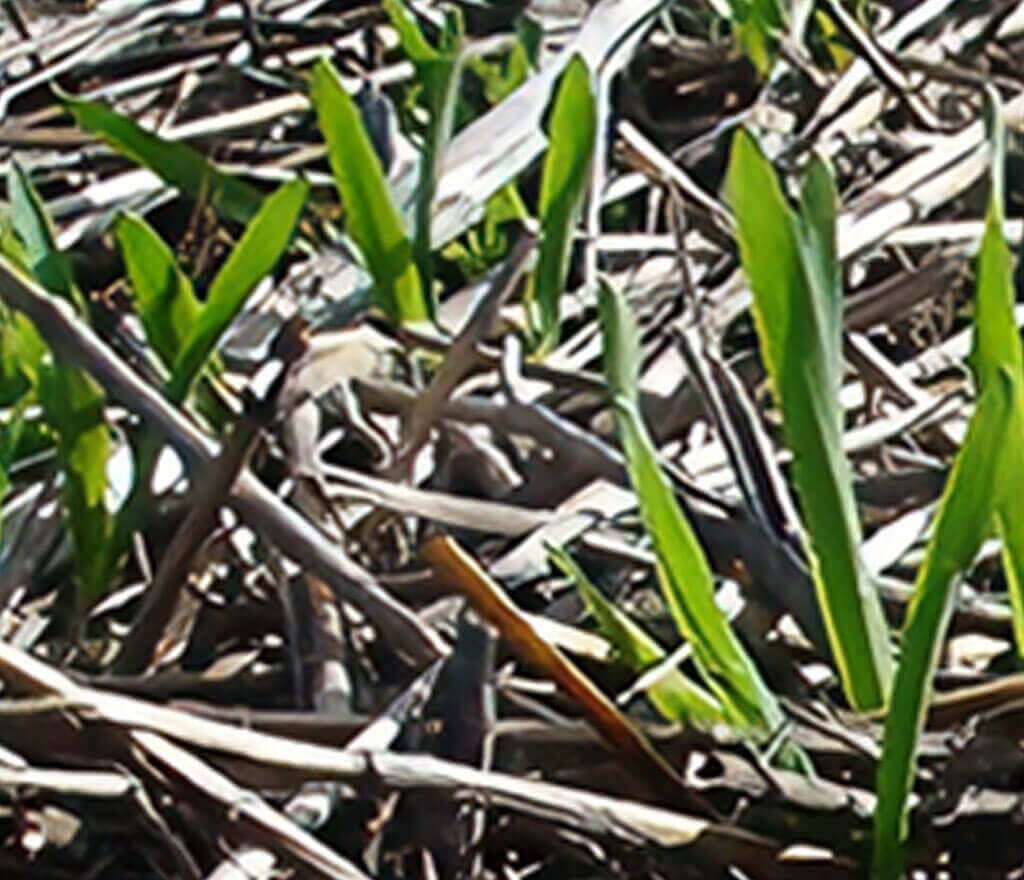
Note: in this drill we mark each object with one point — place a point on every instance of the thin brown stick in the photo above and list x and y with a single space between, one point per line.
162 595
460 570
462 355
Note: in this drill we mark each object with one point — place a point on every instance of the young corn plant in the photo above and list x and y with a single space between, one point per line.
997 351
687 584
963 521
183 331
402 266
487 243
790 261
980 489
571 135
72 402
438 71
171 314
372 219
374 223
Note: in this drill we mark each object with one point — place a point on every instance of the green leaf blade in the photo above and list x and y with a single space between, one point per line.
1010 523
790 263
177 164
572 132
22 349
686 580
962 522
997 350
166 301
372 220
38 252
72 401
996 343
438 71
980 488
264 242
73 404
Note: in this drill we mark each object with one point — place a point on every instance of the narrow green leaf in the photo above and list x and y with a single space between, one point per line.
175 163
72 402
622 355
12 247
1010 523
673 694
265 240
791 265
168 307
996 342
997 348
758 25
372 220
571 135
166 302
686 581
39 254
987 471
438 71
975 486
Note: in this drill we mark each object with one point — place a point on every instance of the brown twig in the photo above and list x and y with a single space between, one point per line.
459 569
176 563
462 355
